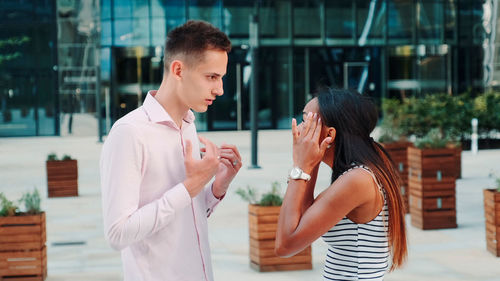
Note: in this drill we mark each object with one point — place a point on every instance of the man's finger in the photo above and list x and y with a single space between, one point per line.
232 147
210 148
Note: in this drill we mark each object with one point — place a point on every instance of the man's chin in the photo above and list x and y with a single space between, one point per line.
201 109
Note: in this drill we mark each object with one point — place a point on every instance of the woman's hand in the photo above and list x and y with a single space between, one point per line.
307 151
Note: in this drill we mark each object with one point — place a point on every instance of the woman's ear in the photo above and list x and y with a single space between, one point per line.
332 133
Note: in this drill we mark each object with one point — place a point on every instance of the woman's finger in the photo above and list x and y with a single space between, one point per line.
307 124
295 130
317 131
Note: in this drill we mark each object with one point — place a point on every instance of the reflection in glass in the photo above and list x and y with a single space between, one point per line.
450 21
174 13
430 21
236 17
306 19
371 20
274 19
401 21
207 10
339 19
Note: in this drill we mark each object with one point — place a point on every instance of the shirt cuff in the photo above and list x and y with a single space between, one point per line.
178 196
211 200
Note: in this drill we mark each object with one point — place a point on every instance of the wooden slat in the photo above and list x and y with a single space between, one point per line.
281 267
19 264
22 233
263 210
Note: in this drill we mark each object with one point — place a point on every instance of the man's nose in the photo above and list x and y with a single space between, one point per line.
219 90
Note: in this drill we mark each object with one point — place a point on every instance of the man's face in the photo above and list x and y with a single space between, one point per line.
202 81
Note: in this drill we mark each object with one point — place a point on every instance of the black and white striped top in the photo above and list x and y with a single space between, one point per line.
358 251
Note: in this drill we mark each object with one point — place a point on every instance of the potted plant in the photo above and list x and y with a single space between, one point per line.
262 223
62 176
22 239
394 140
492 215
432 176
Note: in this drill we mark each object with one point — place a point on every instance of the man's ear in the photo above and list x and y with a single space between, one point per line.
176 68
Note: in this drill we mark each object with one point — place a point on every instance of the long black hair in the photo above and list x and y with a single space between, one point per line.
354 117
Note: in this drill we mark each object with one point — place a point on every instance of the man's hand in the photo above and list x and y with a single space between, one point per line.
200 172
229 166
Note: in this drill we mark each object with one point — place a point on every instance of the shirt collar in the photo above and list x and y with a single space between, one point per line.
158 114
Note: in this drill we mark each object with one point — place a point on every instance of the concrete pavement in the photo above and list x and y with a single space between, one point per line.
77 249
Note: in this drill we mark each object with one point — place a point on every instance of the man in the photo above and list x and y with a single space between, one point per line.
155 185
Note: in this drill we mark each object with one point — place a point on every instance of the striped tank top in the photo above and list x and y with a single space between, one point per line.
358 251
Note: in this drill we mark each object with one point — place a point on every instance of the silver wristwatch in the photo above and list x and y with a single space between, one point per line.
296 173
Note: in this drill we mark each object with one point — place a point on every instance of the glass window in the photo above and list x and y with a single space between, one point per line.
123 9
274 19
236 15
46 103
370 19
339 19
158 30
17 103
432 73
274 92
141 32
480 21
105 9
430 16
140 9
175 13
465 21
123 32
450 21
207 10
106 32
401 22
306 19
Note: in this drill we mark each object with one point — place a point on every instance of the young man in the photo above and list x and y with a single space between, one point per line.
155 186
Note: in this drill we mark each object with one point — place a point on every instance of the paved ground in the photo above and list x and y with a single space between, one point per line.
78 251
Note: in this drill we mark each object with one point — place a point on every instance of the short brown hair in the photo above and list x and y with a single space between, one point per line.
192 39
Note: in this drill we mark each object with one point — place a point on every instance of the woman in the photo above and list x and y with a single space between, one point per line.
360 215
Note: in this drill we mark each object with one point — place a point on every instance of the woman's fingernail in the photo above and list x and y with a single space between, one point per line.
309 115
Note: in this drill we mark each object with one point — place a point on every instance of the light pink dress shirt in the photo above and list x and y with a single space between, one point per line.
148 213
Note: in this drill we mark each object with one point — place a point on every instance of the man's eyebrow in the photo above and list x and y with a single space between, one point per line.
213 74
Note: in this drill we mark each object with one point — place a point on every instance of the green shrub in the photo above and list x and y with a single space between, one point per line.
271 198
7 207
66 157
391 129
487 110
52 157
31 202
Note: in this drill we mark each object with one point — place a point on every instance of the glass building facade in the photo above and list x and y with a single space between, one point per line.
382 48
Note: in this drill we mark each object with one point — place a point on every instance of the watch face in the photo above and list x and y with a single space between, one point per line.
295 173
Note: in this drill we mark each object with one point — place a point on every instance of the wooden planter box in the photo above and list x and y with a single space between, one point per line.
62 178
262 227
458 163
399 155
23 255
432 177
492 215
